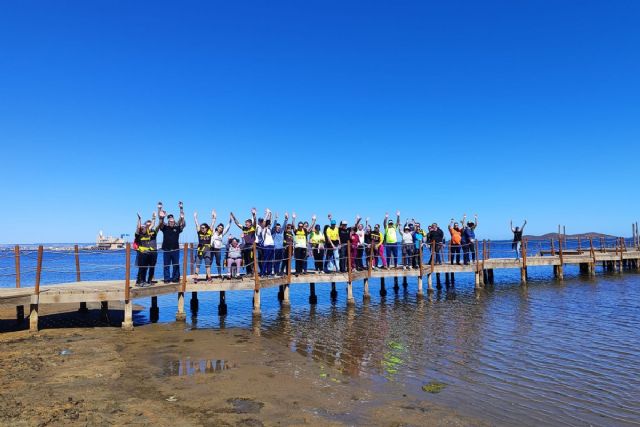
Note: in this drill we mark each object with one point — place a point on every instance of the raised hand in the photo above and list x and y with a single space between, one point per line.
330 216
386 214
180 205
313 217
253 211
162 214
293 215
139 217
358 217
397 213
159 206
195 214
213 212
286 215
153 215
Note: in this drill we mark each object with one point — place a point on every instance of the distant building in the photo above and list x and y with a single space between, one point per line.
109 243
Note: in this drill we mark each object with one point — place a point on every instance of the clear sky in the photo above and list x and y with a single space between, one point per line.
508 109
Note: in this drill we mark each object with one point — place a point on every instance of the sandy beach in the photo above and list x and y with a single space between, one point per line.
165 375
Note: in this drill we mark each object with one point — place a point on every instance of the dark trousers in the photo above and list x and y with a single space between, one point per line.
392 253
455 254
438 254
247 257
217 259
359 255
301 259
268 253
343 257
171 264
407 254
278 261
318 255
415 259
469 252
146 261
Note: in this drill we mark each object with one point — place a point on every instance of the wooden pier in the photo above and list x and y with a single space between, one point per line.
586 256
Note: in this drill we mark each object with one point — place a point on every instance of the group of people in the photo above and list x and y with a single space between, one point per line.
333 247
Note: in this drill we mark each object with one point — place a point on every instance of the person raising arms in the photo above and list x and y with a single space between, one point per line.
217 241
171 243
146 246
204 251
391 239
248 238
517 237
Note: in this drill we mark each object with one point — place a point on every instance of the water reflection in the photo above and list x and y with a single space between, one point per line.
188 367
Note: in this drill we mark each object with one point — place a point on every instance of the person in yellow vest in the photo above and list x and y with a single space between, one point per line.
147 250
300 243
332 243
391 239
317 241
204 251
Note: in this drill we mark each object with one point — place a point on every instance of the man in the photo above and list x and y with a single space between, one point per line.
278 244
204 251
171 243
344 237
418 239
248 239
391 239
436 238
288 243
147 250
468 240
300 243
377 240
332 243
456 240
517 237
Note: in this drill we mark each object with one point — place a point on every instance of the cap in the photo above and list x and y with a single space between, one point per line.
170 216
343 222
333 222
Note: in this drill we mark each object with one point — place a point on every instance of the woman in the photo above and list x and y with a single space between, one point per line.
317 247
204 246
234 258
354 241
268 245
218 243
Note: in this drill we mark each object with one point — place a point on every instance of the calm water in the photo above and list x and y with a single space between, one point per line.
547 354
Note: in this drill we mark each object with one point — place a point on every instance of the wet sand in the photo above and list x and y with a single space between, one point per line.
163 374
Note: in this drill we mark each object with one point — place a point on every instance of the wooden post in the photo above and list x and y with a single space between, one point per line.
313 298
290 251
579 245
181 316
478 269
603 246
35 299
488 248
20 308
350 299
256 279
83 305
523 270
127 323
420 293
433 261
561 266
192 259
622 254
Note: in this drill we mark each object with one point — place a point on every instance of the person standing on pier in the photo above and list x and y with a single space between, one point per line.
316 238
204 251
217 242
344 236
377 240
456 240
277 232
407 246
249 238
300 243
171 243
332 243
147 250
391 239
268 249
517 237
435 238
361 246
469 239
418 239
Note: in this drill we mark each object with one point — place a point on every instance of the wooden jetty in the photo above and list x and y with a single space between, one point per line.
587 255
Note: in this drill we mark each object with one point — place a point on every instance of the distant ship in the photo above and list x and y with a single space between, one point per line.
110 243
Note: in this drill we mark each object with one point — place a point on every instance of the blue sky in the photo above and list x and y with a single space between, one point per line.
507 109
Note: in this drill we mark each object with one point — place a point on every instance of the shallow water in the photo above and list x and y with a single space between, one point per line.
549 353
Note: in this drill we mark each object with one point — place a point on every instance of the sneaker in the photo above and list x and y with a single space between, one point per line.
139 285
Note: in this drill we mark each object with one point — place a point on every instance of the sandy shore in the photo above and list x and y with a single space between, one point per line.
165 375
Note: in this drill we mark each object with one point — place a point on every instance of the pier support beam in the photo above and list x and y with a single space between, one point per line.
430 282
83 307
20 314
477 279
285 295
181 315
127 323
194 301
446 279
222 304
33 318
438 284
334 292
383 290
104 310
154 311
313 298
405 284
396 288
420 292
280 292
256 302
560 272
366 296
523 275
350 299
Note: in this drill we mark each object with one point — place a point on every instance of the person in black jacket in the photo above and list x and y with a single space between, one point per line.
436 235
171 243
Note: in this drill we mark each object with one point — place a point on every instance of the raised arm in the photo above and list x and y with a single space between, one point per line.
525 223
513 230
153 221
463 223
313 222
161 215
226 228
195 219
358 218
475 221
253 216
182 223
397 218
235 220
139 226
214 216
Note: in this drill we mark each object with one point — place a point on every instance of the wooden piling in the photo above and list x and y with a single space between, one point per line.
420 292
313 298
35 299
432 261
192 258
181 316
350 299
383 290
592 265
20 308
561 266
256 278
194 301
523 270
334 292
127 323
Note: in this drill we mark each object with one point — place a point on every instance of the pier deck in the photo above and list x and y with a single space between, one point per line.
121 290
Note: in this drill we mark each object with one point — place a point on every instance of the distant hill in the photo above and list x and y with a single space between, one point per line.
570 236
